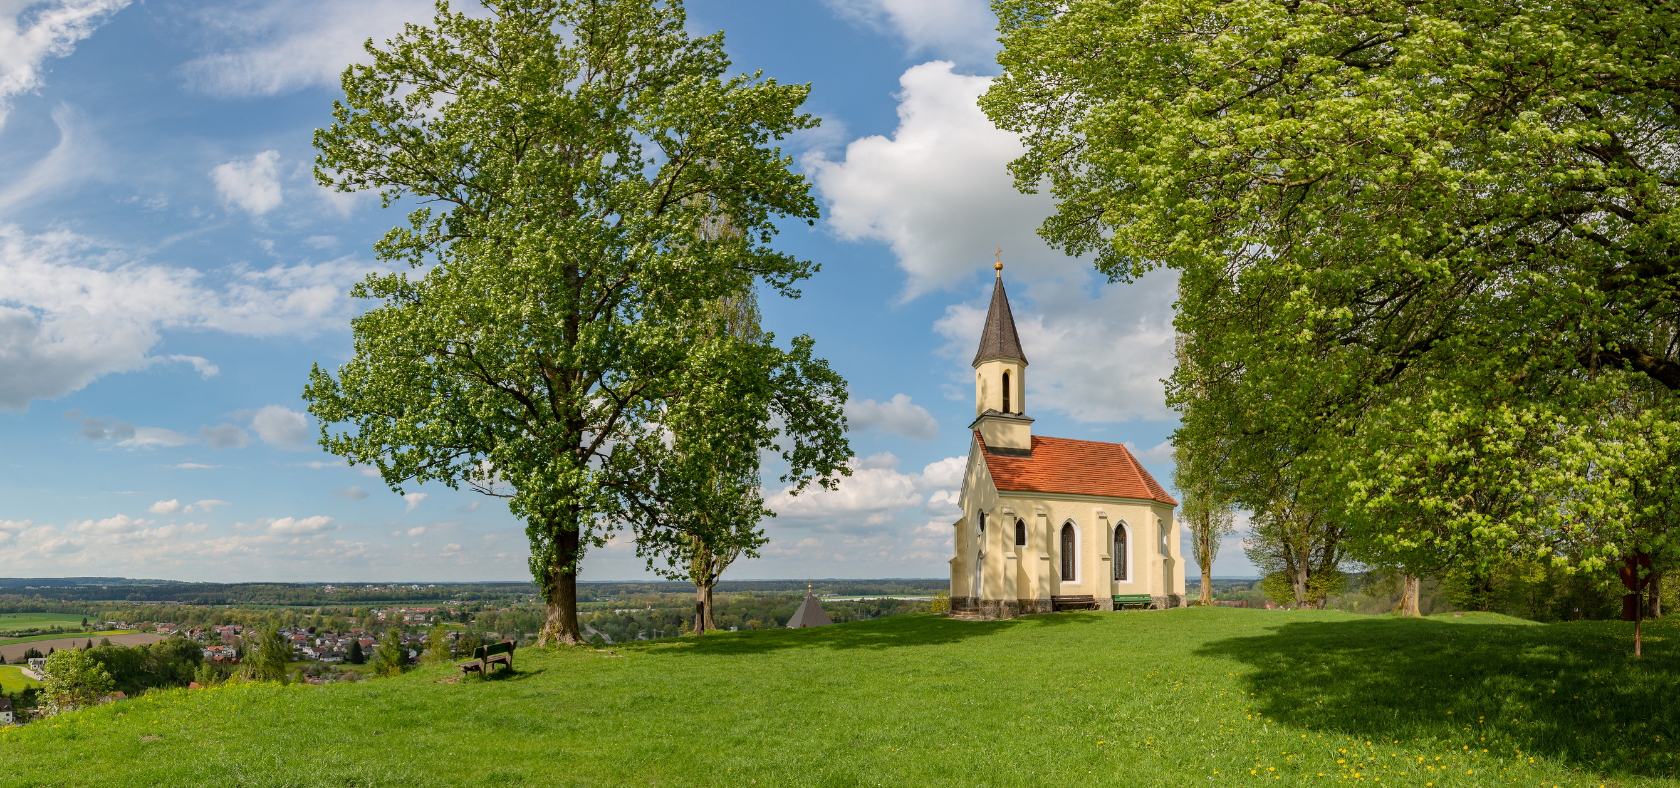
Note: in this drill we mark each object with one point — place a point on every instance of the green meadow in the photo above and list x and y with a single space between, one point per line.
14 621
1195 696
12 680
76 635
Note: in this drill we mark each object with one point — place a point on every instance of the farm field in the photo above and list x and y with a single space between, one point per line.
1206 696
27 620
80 636
13 650
12 679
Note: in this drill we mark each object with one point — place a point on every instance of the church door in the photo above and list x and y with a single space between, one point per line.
1067 553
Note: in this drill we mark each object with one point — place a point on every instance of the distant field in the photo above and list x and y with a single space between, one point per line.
1216 697
79 637
12 679
9 621
12 651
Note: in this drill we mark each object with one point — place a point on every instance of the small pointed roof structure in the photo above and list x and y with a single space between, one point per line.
998 339
809 614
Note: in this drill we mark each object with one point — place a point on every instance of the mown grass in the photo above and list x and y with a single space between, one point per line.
13 681
1211 696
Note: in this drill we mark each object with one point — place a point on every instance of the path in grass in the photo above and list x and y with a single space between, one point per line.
1209 696
12 680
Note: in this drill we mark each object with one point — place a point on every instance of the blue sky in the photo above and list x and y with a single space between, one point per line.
169 273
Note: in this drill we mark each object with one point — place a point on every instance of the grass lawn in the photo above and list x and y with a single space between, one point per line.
12 679
1199 696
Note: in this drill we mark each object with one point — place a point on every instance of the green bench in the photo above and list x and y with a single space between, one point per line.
485 656
1121 600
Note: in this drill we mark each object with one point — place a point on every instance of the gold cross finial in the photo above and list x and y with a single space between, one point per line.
999 266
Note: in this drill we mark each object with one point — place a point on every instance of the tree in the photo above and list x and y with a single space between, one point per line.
1208 516
72 679
1425 234
356 656
273 654
576 149
390 658
437 645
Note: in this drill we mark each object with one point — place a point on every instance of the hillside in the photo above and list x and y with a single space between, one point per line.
1214 696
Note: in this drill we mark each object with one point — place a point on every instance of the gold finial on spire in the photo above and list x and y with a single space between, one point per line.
999 266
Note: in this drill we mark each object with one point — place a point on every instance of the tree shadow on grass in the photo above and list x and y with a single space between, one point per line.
1571 692
880 633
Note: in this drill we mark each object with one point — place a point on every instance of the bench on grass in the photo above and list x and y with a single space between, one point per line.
1121 600
485 656
1084 602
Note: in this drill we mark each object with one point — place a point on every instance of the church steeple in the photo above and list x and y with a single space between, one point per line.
1000 381
998 339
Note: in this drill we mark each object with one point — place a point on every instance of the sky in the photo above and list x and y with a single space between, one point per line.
170 273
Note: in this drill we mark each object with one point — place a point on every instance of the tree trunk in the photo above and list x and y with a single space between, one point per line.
560 622
1656 596
707 610
1207 583
1409 597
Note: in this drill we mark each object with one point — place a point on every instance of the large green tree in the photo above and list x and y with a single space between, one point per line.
570 155
1428 245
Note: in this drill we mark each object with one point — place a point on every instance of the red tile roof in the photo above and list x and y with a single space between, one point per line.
1064 465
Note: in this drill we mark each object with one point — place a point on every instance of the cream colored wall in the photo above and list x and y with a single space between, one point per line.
988 385
1033 572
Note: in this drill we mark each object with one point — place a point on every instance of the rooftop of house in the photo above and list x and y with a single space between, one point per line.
1076 467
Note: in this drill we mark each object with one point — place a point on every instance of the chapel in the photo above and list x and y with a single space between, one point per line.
1047 518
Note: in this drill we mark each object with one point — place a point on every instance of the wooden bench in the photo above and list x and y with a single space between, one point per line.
1084 602
1121 600
485 656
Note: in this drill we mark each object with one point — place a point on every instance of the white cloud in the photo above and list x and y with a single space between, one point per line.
170 506
1161 454
120 524
32 32
354 493
207 505
898 416
278 426
470 506
250 184
414 501
871 498
960 29
289 45
938 192
319 464
67 164
74 309
194 466
409 533
1096 356
291 526
224 436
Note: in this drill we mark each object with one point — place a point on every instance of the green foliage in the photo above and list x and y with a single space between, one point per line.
72 679
355 656
390 657
437 646
1429 248
1289 694
266 659
575 153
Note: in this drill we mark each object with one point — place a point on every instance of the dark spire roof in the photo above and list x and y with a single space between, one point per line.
998 339
809 614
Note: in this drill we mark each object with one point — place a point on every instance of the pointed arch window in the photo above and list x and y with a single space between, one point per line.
1006 392
1067 553
1120 553
1020 533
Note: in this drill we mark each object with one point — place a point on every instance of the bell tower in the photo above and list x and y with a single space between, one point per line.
1000 380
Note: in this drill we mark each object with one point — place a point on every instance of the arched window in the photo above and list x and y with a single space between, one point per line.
982 522
1120 552
1067 553
1006 392
1020 533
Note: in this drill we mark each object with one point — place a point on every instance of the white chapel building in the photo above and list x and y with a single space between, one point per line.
1051 517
